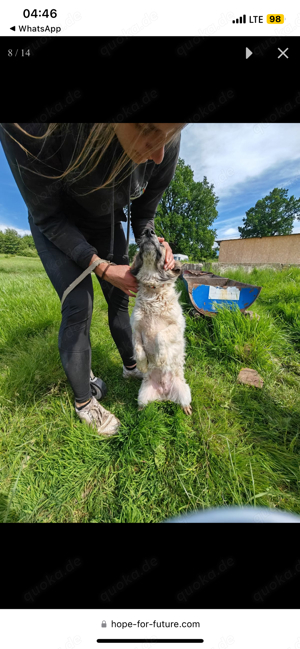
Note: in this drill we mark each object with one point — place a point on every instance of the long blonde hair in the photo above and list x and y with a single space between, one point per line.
90 149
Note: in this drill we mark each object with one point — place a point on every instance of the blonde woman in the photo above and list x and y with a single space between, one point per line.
75 180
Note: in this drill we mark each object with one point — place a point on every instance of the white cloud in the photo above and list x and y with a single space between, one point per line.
19 230
232 154
231 231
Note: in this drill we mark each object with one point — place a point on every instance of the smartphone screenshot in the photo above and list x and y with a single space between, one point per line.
150 325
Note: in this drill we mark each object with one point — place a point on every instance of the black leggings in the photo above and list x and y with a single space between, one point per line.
74 334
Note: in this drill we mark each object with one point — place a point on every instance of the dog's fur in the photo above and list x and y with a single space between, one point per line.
158 327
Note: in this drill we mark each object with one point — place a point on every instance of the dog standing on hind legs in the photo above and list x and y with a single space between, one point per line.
158 327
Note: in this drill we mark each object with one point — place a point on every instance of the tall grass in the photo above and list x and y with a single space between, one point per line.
240 446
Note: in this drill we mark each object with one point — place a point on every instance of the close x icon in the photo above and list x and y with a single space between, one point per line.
283 53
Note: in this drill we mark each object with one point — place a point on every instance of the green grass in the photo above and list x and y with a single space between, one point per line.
240 446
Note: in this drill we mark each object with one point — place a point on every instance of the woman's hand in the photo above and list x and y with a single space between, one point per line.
169 259
121 277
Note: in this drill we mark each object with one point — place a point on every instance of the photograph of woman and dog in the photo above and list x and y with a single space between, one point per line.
136 363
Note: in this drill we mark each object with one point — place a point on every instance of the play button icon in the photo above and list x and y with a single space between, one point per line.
248 52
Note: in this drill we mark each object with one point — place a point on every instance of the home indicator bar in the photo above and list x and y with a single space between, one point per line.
153 641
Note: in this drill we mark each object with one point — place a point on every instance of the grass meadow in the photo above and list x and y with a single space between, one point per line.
239 447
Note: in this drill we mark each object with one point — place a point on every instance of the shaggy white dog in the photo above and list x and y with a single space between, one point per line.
158 327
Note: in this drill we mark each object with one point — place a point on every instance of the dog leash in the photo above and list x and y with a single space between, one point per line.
86 272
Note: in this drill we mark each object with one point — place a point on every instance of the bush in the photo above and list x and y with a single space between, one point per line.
27 252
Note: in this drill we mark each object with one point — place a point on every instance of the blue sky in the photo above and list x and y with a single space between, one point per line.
244 162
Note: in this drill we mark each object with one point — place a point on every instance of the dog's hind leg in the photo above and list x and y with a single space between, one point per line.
149 391
181 394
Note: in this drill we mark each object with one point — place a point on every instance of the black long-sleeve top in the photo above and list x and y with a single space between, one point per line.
60 210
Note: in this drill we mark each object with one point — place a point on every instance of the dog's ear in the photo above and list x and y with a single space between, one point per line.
136 264
177 268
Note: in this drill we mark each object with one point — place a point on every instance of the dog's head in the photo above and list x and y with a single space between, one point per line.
148 264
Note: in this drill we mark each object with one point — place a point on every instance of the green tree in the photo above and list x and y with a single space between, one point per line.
132 249
11 241
1 241
27 241
271 215
186 212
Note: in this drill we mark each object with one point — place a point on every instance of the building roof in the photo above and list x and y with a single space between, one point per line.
294 234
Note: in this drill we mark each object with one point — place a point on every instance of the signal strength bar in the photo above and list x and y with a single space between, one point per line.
241 19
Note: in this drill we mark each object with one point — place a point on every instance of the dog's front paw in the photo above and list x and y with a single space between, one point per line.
161 360
142 364
187 410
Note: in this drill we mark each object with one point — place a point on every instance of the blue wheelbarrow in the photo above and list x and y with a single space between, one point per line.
207 290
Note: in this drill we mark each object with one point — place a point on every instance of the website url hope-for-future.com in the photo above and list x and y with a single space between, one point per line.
157 624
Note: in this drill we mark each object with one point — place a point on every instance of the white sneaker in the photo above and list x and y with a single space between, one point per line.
134 374
96 416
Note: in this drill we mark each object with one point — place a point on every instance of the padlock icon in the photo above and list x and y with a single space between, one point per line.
103 623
